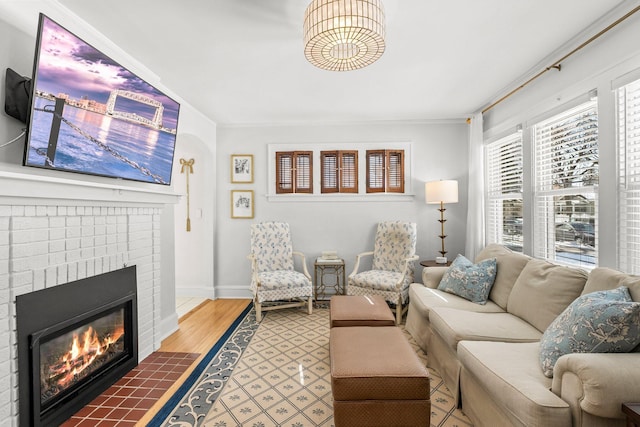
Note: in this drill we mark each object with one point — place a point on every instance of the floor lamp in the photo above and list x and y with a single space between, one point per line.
443 191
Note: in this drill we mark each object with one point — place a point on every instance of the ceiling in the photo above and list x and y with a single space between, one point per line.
242 61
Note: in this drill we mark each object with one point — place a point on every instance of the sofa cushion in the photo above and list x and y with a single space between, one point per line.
469 281
602 279
599 322
454 326
510 264
543 290
425 299
510 372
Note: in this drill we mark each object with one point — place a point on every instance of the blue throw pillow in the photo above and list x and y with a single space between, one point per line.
598 322
468 280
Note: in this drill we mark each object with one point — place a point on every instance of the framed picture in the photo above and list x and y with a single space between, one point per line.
242 168
241 203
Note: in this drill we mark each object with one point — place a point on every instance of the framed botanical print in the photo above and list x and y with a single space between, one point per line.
242 168
242 204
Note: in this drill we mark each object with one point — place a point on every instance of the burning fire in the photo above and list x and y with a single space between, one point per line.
83 352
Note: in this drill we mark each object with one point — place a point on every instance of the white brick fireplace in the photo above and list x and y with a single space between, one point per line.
57 231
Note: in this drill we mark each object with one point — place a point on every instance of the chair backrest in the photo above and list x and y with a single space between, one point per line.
271 246
395 241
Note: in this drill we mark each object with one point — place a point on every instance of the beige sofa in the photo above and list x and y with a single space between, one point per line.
488 354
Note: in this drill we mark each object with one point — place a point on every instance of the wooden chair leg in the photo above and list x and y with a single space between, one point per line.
310 305
399 311
258 307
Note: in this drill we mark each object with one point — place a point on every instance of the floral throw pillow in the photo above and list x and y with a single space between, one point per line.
598 322
468 280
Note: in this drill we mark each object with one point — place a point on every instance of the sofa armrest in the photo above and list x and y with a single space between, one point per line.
598 383
431 276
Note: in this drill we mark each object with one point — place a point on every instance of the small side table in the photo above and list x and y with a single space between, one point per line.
632 411
323 269
433 263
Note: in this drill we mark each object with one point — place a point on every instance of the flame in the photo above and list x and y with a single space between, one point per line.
84 350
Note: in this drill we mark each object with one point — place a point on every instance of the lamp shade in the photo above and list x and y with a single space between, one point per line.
343 35
443 191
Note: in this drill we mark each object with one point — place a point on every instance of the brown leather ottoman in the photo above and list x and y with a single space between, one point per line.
377 379
358 310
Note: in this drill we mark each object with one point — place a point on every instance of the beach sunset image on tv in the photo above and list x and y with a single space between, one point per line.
91 115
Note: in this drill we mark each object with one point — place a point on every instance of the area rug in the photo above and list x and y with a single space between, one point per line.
276 373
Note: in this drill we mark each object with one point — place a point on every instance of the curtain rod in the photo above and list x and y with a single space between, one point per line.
557 65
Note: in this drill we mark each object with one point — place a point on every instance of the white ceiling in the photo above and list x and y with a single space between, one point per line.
242 61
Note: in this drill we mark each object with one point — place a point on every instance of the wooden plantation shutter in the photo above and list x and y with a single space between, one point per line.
304 172
385 171
284 172
375 171
294 172
348 171
395 171
329 172
339 173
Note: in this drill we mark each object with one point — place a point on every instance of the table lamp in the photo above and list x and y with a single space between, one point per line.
443 191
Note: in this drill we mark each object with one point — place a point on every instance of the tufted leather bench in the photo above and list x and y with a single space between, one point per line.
358 310
377 379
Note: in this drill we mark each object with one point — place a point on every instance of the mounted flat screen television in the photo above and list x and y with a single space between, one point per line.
91 115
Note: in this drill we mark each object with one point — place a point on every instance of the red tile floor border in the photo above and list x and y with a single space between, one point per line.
129 399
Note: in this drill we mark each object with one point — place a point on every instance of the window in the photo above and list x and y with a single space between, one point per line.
503 161
385 171
628 122
565 193
294 172
339 171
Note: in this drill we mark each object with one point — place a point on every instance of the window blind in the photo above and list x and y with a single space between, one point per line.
504 169
628 123
566 178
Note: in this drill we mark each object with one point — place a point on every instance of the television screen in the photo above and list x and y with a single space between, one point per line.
91 115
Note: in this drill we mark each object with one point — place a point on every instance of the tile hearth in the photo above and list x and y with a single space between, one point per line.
129 399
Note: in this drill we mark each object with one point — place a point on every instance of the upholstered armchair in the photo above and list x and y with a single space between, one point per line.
273 278
394 257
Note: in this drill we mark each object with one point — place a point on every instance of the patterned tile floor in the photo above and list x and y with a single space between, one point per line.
129 399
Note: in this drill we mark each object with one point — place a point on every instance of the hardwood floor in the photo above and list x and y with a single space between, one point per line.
199 330
204 325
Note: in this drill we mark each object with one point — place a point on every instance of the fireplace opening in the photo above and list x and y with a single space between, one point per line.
74 341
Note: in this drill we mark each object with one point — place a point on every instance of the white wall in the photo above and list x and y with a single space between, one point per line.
594 67
439 152
196 138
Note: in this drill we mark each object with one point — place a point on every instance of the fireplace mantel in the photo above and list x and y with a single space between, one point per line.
21 186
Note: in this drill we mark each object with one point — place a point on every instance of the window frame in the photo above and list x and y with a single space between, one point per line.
499 173
549 175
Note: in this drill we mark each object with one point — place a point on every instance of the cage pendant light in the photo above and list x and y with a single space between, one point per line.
343 35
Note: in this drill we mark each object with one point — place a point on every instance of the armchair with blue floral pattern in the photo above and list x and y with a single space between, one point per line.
392 270
273 278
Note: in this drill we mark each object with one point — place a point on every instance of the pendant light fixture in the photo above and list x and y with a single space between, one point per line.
343 35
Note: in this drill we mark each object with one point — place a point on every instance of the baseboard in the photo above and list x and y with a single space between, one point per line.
228 292
207 292
168 325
